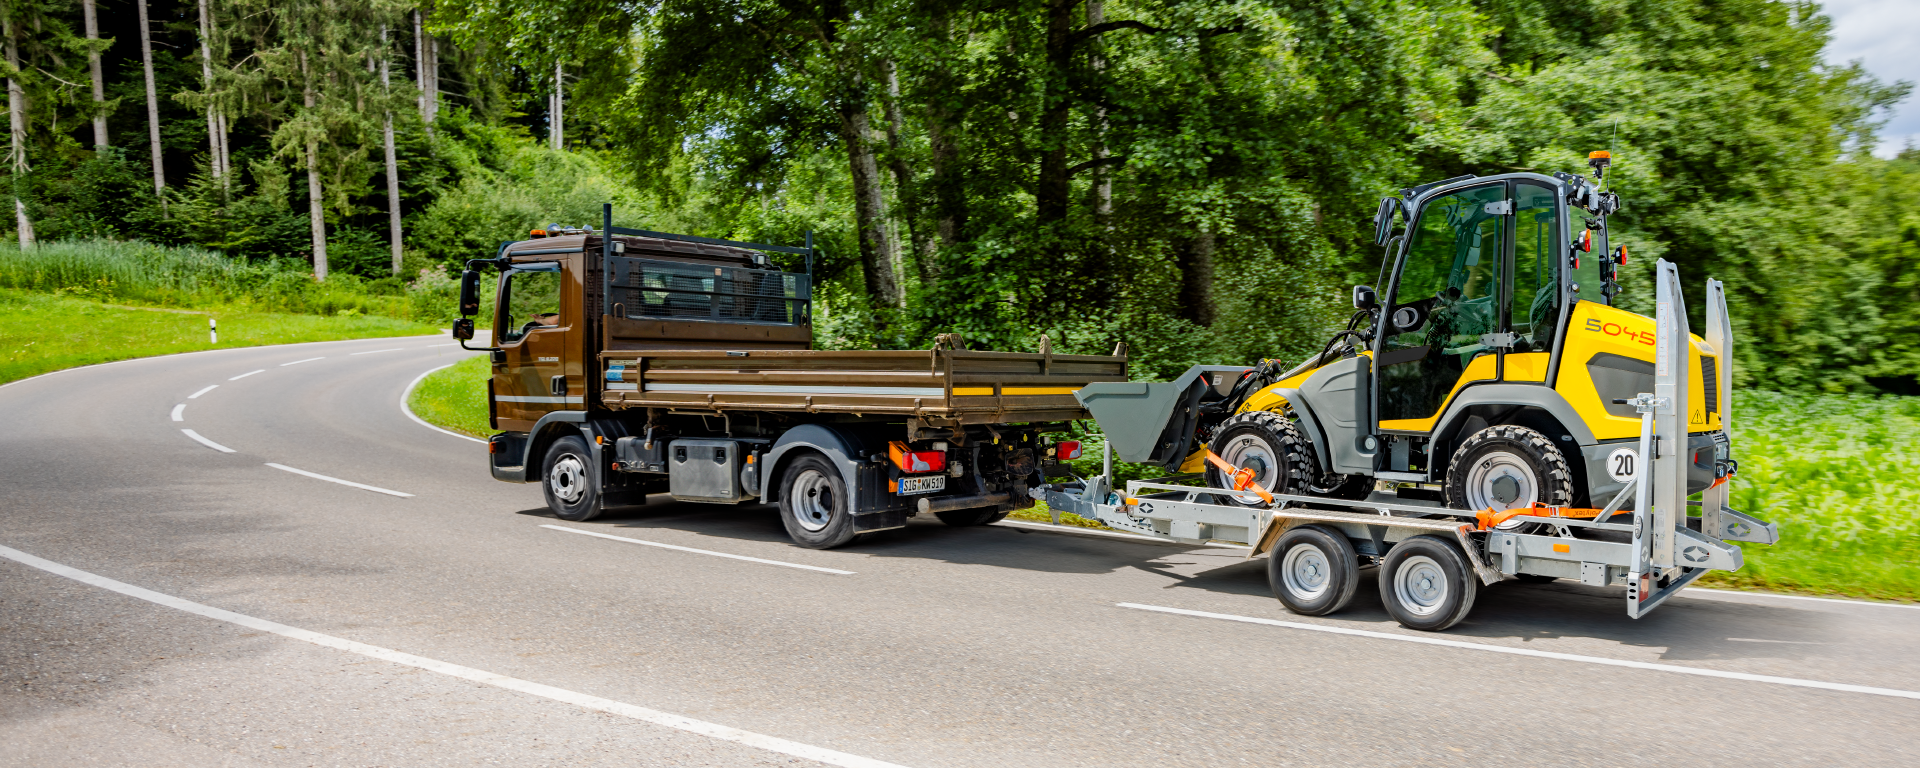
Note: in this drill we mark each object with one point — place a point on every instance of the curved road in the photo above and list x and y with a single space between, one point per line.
166 603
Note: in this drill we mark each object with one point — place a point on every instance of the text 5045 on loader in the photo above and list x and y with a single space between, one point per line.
1495 389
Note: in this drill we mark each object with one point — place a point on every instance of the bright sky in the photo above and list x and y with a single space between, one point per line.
1885 36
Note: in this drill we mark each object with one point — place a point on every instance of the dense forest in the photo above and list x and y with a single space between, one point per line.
1194 177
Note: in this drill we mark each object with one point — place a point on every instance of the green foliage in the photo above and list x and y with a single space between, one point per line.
456 397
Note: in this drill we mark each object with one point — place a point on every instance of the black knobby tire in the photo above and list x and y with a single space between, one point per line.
1427 584
814 503
1267 443
571 480
1314 571
1506 466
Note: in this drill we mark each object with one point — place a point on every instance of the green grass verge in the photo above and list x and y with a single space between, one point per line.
40 333
455 397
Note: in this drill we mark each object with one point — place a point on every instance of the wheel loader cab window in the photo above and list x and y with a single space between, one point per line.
1446 297
529 299
1537 256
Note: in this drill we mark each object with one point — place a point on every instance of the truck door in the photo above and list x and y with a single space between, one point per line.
1446 295
535 336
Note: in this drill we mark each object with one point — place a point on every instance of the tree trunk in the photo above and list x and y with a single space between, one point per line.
558 118
420 66
393 164
1196 279
433 79
316 216
1055 184
17 139
908 197
93 69
153 107
1102 174
883 288
214 163
949 191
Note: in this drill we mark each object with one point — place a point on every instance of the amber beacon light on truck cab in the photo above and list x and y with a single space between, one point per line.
629 362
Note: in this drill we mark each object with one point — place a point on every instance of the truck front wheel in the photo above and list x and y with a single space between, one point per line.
571 481
814 504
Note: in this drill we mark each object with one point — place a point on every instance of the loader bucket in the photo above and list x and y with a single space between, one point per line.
1152 422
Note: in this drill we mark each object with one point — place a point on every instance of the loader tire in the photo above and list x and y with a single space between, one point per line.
571 480
1506 466
1267 443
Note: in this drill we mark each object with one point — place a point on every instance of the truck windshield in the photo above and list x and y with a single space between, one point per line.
529 299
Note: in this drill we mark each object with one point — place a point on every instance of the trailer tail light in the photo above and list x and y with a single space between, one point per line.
909 460
1066 450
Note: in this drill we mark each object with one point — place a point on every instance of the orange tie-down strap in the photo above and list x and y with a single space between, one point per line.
1242 479
1489 518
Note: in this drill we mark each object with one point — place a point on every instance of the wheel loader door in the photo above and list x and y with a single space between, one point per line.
1446 298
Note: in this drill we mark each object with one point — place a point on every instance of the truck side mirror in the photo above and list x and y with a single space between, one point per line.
463 329
469 298
1364 297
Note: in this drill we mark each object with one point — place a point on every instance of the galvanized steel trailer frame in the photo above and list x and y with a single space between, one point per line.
1664 551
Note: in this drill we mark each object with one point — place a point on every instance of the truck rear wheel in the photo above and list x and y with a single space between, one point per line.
815 505
1426 583
1266 443
571 481
1505 466
1313 571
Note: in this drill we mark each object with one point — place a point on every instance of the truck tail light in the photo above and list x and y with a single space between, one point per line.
1066 450
909 460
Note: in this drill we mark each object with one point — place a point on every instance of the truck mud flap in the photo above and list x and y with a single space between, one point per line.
885 520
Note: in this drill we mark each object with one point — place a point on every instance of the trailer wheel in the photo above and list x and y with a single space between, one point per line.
1313 571
815 505
571 481
1426 583
1267 443
1505 466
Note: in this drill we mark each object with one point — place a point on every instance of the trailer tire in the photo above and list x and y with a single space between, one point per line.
1313 571
570 480
815 505
1426 583
1508 459
1267 443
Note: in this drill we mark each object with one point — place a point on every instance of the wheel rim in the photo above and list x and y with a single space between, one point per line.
1501 480
568 478
1420 585
811 499
1305 572
1250 452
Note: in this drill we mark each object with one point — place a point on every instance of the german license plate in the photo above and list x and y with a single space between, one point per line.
928 484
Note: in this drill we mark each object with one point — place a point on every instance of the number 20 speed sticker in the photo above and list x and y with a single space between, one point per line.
1622 463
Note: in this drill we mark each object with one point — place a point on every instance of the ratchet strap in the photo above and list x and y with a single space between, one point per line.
1489 518
1239 479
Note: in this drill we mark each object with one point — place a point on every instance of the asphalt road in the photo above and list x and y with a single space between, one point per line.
453 629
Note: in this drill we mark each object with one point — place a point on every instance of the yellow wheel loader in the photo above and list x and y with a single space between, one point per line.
1489 394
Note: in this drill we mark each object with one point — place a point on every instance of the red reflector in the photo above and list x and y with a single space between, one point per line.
909 460
1066 450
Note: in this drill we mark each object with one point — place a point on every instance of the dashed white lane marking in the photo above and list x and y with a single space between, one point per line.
180 412
1673 668
701 551
210 388
308 360
1683 593
350 483
407 393
208 443
376 351
656 717
248 373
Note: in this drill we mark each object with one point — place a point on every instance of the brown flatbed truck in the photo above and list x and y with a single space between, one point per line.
628 363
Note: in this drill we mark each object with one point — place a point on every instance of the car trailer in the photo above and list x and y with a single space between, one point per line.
1431 556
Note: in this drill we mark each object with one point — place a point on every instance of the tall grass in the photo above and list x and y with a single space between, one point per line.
185 276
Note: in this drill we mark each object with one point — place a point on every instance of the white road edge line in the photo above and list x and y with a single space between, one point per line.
196 395
248 373
308 360
1684 592
700 551
1109 534
408 393
376 351
350 483
609 706
208 443
179 412
1673 668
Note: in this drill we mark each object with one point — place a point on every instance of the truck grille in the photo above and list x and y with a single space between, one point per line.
1710 381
